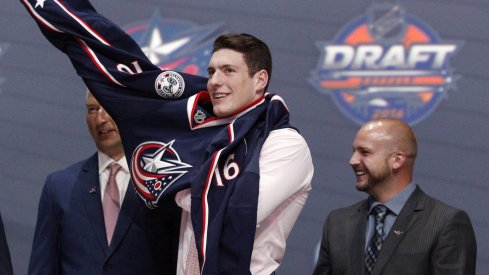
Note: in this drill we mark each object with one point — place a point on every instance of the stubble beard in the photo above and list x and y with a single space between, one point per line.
374 179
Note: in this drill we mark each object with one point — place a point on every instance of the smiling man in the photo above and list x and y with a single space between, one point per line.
239 72
77 231
228 156
399 229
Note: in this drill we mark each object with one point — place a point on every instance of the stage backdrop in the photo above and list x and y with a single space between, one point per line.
330 80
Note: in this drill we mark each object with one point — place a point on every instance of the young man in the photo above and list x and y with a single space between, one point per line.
239 71
232 146
75 233
398 229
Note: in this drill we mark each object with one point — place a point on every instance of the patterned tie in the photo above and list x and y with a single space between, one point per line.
375 244
192 265
110 202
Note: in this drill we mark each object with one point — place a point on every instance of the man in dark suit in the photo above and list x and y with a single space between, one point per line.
399 229
5 260
71 235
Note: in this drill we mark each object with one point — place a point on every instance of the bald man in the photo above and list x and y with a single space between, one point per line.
398 229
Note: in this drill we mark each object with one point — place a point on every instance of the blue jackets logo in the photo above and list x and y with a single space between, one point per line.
175 44
386 63
155 166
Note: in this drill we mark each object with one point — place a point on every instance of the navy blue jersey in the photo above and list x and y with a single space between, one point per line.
171 138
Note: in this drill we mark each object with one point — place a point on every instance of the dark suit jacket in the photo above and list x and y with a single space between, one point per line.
428 237
5 260
70 233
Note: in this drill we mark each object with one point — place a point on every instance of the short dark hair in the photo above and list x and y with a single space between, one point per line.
255 52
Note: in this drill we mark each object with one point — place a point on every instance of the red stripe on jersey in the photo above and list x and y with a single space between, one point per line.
39 18
205 206
97 62
83 23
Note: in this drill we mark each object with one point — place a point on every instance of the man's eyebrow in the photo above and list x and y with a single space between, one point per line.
222 66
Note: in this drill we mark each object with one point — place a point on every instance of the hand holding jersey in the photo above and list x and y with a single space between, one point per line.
284 162
166 124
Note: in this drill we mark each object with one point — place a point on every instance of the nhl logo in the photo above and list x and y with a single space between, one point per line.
386 22
170 85
199 116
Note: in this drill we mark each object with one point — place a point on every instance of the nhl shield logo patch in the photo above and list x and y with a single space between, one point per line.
199 117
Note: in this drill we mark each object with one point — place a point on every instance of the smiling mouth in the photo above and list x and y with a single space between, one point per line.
359 173
219 96
104 132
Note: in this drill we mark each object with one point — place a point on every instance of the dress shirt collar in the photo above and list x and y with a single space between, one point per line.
104 161
396 203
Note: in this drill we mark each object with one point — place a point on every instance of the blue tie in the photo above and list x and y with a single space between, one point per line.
373 248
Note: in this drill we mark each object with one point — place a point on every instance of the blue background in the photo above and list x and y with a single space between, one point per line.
42 112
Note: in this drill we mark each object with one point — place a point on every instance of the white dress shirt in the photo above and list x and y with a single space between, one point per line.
286 172
122 177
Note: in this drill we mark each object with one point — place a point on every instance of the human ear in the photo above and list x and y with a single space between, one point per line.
261 80
398 160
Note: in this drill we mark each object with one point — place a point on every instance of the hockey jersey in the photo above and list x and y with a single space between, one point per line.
170 136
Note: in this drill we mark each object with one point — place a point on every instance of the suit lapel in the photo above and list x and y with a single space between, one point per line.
89 180
409 215
358 241
130 207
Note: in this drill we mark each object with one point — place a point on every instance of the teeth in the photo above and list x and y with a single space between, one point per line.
217 96
359 173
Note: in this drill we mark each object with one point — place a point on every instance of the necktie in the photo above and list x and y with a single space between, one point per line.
110 202
192 265
375 244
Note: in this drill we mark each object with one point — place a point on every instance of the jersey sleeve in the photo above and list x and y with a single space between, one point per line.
109 61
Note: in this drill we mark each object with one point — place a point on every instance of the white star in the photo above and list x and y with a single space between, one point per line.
40 3
154 163
157 47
